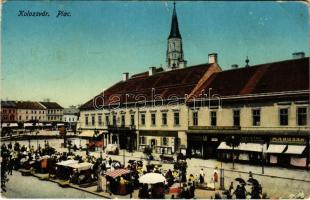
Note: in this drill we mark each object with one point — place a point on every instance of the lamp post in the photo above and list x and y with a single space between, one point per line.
222 185
263 170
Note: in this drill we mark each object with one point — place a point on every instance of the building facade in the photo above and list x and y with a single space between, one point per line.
30 111
8 111
264 109
54 112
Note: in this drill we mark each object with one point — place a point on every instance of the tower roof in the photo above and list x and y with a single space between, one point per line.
174 32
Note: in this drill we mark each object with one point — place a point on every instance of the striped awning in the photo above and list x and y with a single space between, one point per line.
117 173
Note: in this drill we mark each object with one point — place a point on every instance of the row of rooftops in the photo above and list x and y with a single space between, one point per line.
31 105
283 76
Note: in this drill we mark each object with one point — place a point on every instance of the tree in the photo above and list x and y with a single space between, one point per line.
233 141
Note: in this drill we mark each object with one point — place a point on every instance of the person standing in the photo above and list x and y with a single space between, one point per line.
201 176
215 175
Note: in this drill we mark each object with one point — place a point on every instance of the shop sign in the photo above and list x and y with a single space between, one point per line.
295 140
252 139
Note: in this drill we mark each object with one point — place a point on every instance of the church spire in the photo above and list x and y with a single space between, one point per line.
175 56
174 32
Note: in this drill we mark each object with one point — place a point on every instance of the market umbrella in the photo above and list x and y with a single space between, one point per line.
240 180
253 181
152 178
117 173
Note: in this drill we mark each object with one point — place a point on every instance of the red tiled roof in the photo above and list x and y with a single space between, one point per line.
289 75
164 84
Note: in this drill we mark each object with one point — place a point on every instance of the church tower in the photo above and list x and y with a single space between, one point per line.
175 56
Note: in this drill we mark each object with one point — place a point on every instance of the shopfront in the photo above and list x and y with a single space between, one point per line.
161 142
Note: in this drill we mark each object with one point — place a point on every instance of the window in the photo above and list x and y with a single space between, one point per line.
93 120
213 118
164 119
132 120
236 117
176 117
26 112
99 119
107 120
302 116
86 120
114 120
165 141
256 117
20 117
39 117
283 112
123 120
4 111
35 112
43 112
153 119
195 118
142 140
26 117
142 119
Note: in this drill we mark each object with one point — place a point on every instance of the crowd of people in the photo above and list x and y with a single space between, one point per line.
177 182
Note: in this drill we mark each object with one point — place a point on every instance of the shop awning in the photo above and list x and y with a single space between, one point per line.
81 166
295 149
67 163
275 148
254 147
224 146
39 124
4 125
87 133
13 125
60 124
117 172
28 124
48 125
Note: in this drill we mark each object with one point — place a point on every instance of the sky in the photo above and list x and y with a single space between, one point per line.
71 59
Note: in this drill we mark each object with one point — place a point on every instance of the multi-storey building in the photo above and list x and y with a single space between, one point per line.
30 111
8 111
71 117
263 108
54 112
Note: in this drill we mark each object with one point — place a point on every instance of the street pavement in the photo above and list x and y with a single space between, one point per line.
31 187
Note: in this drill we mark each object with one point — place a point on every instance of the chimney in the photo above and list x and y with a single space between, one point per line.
212 58
298 55
125 76
234 66
152 71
